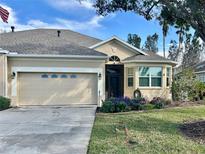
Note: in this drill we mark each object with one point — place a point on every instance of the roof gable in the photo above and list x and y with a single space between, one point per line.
150 58
123 43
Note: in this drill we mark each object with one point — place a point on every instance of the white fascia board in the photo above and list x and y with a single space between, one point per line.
57 69
56 56
150 61
121 41
2 51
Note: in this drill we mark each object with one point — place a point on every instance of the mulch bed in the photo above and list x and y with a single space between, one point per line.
194 130
186 103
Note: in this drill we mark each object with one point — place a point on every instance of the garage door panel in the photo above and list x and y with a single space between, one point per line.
35 90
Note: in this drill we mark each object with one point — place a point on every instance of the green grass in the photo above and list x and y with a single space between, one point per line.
155 132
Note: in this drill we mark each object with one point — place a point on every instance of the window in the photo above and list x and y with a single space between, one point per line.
144 77
130 75
64 76
168 76
54 76
150 76
73 76
44 76
114 59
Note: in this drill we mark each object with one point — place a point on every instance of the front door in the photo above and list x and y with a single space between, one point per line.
114 80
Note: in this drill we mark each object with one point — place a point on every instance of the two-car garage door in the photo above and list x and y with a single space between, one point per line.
57 88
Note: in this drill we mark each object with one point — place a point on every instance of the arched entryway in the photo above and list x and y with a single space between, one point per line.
114 77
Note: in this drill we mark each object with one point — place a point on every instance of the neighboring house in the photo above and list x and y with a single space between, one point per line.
200 71
60 67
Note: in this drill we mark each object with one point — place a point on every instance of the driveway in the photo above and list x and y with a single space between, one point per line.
46 130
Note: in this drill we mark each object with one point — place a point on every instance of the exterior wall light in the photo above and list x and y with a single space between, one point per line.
99 76
13 75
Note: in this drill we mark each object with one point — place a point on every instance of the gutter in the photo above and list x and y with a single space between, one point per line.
55 56
2 51
150 61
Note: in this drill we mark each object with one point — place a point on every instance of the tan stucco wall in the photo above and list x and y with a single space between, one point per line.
52 62
147 92
2 75
113 48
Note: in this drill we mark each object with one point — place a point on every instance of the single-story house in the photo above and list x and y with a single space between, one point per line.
62 67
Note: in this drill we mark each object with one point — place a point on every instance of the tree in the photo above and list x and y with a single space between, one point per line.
182 31
193 50
165 28
134 40
174 51
190 11
151 44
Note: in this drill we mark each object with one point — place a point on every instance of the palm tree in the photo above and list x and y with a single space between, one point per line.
165 28
182 29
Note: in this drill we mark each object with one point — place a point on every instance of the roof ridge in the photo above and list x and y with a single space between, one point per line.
53 30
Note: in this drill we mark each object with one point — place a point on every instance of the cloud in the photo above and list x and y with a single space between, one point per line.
93 23
89 25
71 4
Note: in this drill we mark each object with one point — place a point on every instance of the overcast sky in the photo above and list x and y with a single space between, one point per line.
70 14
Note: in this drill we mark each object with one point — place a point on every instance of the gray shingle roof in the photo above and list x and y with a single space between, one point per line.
46 41
150 57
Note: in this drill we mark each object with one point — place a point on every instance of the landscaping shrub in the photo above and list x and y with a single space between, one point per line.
107 107
148 107
158 102
199 90
121 107
124 104
186 87
4 103
137 104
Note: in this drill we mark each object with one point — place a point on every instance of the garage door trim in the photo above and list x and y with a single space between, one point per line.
16 70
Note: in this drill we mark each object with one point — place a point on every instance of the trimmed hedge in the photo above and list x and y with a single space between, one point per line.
4 103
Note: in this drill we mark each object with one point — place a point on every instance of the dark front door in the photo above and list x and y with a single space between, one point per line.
114 80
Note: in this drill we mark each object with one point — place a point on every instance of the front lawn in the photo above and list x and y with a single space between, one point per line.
155 131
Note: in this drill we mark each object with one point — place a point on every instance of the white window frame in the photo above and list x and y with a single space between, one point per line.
168 76
130 76
150 78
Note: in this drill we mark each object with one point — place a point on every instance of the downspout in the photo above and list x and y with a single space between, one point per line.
4 86
2 59
6 75
3 54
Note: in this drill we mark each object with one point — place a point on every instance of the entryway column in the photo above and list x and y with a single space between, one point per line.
136 77
164 76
